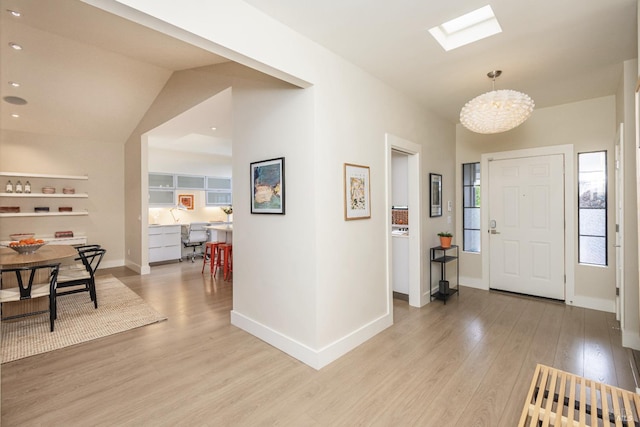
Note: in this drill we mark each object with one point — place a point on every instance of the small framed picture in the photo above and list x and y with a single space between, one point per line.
357 192
186 200
267 186
435 197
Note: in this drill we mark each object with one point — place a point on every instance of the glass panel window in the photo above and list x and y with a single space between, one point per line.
471 207
592 208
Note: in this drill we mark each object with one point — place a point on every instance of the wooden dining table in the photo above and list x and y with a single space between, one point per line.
47 254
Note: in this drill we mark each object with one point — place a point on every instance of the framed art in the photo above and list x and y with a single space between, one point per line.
357 192
267 186
186 200
435 197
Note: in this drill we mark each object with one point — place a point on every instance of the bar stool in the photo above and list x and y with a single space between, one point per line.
210 249
224 253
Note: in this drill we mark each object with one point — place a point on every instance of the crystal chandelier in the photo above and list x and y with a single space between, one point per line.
496 111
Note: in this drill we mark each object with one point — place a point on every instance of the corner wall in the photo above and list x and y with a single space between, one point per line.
307 282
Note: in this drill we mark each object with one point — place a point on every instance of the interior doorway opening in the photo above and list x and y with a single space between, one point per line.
409 154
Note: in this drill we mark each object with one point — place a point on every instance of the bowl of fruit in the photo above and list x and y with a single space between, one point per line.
27 246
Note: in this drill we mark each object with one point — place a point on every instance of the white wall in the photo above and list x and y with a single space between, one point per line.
49 154
400 187
310 283
589 125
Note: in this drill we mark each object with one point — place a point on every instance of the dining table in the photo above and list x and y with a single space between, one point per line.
47 254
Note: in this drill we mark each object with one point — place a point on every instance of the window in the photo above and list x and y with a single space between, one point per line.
592 208
471 207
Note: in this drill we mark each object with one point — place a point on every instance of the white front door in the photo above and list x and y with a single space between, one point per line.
526 213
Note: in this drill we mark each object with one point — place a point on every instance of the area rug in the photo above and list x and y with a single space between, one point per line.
119 309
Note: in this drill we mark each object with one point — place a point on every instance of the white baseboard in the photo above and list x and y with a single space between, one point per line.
631 339
137 267
317 359
594 303
473 282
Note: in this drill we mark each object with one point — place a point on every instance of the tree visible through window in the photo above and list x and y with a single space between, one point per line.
592 208
471 207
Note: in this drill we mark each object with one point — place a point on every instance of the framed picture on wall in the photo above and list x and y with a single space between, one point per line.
186 200
267 186
435 196
357 192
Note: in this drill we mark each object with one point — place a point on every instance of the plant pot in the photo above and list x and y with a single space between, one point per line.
445 242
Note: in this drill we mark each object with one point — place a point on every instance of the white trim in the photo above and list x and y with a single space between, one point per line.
418 296
631 339
472 282
317 359
569 208
137 267
594 303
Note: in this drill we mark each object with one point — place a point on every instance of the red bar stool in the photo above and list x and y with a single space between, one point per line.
210 249
225 253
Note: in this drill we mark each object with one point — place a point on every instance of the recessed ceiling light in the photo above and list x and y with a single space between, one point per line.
15 116
468 28
15 100
15 46
213 128
14 13
14 84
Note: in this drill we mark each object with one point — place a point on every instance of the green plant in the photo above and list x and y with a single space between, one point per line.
445 234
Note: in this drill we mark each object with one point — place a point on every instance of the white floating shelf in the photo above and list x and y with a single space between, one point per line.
17 214
54 195
43 175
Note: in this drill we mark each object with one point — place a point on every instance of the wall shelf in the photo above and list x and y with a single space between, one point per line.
43 195
23 214
44 175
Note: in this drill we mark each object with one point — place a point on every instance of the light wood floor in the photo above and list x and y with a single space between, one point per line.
467 363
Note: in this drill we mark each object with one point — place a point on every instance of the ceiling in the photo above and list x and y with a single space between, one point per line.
89 74
555 51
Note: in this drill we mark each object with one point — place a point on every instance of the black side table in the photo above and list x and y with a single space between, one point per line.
443 256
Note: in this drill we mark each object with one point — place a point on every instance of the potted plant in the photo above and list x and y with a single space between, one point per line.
445 239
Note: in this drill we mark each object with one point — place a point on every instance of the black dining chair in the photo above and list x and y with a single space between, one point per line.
26 283
74 280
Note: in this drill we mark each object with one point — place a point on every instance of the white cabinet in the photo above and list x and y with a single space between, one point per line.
161 189
218 191
190 182
400 248
164 243
37 181
161 198
161 180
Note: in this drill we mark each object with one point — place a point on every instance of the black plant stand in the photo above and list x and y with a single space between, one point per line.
438 255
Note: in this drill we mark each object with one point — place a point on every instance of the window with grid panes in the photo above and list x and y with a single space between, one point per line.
471 207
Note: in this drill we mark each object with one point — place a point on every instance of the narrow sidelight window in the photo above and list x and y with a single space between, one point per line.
471 207
592 208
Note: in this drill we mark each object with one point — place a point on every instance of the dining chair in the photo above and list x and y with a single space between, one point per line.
194 236
71 281
76 263
32 282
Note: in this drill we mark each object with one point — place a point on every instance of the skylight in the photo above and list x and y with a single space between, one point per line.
468 28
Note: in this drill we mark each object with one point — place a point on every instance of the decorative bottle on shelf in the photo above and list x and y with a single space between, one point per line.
18 187
27 187
9 187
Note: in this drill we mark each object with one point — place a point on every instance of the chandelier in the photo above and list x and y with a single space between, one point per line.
496 111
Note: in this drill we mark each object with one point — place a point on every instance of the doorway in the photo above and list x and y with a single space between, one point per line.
417 295
526 225
562 205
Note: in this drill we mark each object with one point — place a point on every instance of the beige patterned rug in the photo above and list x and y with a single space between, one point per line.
119 309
